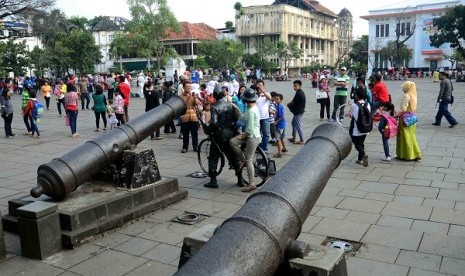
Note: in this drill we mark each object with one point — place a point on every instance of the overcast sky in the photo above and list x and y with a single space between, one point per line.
216 12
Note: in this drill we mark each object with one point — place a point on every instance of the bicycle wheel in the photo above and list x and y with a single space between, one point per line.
203 155
344 123
260 163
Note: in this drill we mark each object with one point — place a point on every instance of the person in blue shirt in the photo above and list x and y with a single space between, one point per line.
280 126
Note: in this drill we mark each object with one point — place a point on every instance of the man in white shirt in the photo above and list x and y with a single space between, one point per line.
263 104
141 83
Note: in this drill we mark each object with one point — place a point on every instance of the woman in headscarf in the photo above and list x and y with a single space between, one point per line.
407 144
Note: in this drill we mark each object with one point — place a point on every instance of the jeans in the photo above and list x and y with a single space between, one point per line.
110 93
193 129
121 119
47 102
444 111
97 119
381 126
28 122
35 128
265 132
73 114
85 96
60 102
297 127
324 104
359 145
8 118
247 155
338 101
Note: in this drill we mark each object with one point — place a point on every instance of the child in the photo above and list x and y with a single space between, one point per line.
111 114
206 115
279 125
385 109
28 110
119 107
358 138
272 112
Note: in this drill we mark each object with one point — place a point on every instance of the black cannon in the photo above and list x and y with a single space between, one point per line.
261 235
61 176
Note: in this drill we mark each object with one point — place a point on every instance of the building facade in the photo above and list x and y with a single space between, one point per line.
312 26
383 25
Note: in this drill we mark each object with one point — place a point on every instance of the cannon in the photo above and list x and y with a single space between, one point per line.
261 235
61 176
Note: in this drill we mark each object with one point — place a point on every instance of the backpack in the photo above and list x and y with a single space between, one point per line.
38 110
364 120
391 127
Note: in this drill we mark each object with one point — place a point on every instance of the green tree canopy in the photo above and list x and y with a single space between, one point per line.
228 24
13 57
151 22
288 52
396 56
84 53
221 53
14 7
451 29
359 53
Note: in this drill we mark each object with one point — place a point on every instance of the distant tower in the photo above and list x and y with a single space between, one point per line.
345 39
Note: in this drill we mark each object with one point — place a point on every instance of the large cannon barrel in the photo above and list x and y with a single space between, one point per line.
256 239
61 176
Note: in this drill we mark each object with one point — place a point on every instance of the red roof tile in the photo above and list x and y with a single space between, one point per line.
198 31
320 8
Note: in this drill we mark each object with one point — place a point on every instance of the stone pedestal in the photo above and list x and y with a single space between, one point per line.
138 169
2 243
321 261
39 230
194 241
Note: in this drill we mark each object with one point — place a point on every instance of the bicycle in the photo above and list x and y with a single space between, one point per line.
260 160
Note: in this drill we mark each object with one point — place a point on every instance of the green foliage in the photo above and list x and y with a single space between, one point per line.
239 9
23 7
151 23
228 24
451 29
84 52
359 53
396 54
37 58
221 53
13 57
201 62
288 52
80 23
94 21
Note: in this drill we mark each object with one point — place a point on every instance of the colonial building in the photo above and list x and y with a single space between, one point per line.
417 19
314 27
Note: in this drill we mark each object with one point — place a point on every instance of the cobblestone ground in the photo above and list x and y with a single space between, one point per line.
410 216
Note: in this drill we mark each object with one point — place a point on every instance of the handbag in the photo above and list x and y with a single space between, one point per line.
409 118
451 99
321 95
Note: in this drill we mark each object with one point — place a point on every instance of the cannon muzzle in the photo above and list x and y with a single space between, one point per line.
61 176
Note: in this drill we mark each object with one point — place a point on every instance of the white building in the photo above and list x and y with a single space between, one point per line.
382 29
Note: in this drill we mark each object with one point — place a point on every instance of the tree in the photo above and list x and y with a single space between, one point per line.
152 21
228 24
13 57
48 26
221 53
80 23
265 48
450 29
288 52
239 9
403 33
394 55
15 7
453 56
84 53
121 46
359 53
94 21
37 58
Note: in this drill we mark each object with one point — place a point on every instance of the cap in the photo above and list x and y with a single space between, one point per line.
344 68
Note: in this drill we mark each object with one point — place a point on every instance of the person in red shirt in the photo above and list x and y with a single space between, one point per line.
126 91
380 93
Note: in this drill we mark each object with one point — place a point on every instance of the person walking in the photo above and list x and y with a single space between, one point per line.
60 92
340 97
47 92
84 92
297 108
100 107
407 147
28 120
126 92
444 99
357 135
71 107
6 111
189 121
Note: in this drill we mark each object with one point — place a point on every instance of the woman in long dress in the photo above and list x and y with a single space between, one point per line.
407 144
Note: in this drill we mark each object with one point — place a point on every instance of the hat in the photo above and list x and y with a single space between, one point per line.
322 77
441 70
344 68
183 77
249 95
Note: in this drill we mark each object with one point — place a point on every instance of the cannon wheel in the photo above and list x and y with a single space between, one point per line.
203 154
260 163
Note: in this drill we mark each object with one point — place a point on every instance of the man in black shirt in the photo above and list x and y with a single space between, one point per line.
297 107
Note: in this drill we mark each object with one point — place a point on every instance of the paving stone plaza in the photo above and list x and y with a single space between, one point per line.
410 216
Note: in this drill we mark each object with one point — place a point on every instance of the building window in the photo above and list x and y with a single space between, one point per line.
381 31
386 30
377 30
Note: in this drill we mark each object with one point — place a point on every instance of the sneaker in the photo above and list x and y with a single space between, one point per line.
387 159
436 124
365 161
330 120
453 125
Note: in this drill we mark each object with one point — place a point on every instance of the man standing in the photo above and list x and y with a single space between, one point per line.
126 91
263 104
444 99
222 128
340 97
297 107
82 86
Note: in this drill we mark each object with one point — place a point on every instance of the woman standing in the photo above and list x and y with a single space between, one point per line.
251 137
189 121
100 107
152 100
407 144
47 92
325 102
7 111
60 92
71 100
